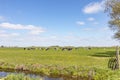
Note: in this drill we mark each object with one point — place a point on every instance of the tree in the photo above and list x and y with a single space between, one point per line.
113 9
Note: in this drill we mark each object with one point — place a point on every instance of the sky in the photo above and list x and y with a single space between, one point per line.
55 22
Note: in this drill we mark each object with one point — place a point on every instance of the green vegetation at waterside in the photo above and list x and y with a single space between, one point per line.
19 77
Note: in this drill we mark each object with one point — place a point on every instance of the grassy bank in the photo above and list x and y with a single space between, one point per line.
100 74
19 77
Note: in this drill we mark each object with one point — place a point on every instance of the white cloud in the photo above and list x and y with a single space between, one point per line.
105 29
9 35
95 23
53 37
2 18
91 19
87 29
66 40
94 7
3 35
33 29
14 34
2 31
36 32
80 23
12 26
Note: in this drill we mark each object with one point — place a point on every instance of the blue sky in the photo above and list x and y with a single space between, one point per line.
54 22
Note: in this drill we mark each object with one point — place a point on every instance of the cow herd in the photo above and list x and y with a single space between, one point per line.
55 48
49 48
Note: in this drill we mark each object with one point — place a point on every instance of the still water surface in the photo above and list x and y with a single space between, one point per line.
4 74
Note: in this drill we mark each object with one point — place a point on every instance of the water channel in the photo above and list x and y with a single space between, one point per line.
4 74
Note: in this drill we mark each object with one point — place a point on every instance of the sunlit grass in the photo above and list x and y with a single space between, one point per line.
75 63
81 56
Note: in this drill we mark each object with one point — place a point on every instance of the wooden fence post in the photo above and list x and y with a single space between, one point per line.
117 57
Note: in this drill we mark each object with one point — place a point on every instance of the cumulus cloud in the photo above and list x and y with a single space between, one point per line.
33 29
105 29
94 7
9 35
2 18
2 31
14 34
80 23
95 23
87 29
91 19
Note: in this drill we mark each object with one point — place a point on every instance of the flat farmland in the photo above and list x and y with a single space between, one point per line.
81 56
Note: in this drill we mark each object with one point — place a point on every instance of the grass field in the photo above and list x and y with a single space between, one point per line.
82 56
58 61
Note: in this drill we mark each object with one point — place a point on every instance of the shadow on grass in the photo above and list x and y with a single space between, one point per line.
105 54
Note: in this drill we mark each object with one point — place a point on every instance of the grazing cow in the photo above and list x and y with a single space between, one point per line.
69 49
46 49
63 49
56 48
29 48
32 48
89 48
24 48
41 48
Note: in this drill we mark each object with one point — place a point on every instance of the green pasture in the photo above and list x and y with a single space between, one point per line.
77 63
97 57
